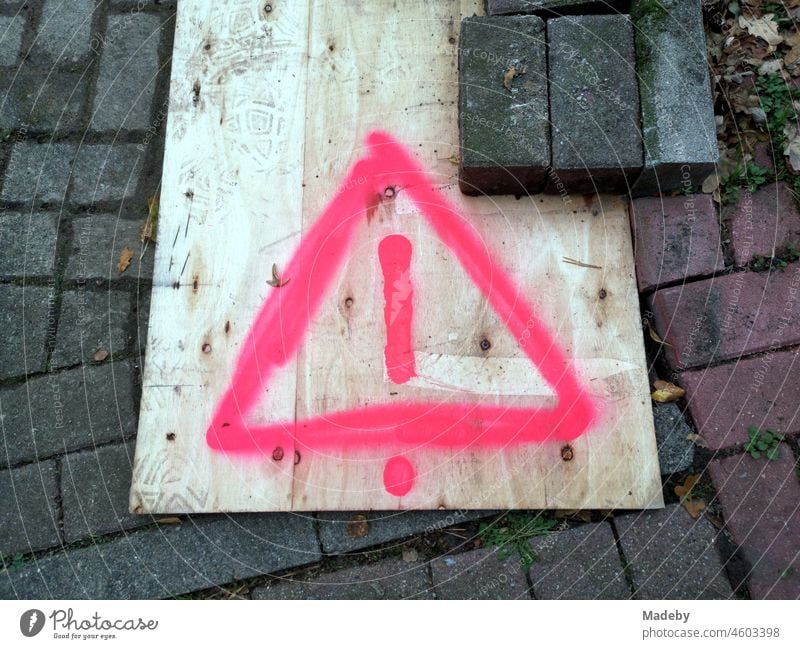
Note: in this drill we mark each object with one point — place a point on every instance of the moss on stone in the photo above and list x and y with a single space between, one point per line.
648 9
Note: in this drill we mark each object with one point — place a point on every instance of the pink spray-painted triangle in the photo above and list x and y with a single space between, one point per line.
283 320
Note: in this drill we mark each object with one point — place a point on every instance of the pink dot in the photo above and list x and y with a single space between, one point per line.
398 476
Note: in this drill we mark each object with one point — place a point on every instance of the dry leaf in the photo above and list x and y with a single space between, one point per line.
654 336
509 75
357 526
685 490
124 259
764 28
694 507
792 56
770 67
666 392
101 354
410 555
699 440
792 39
148 231
169 520
454 158
711 184
792 148
276 281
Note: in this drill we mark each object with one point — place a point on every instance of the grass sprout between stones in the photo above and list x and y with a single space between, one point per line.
512 534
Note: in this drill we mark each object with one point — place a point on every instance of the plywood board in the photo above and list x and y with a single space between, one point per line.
268 113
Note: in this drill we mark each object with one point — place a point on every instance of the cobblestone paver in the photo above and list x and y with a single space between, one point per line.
580 563
672 556
387 579
480 574
761 502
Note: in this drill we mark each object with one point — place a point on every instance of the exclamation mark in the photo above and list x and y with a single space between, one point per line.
394 253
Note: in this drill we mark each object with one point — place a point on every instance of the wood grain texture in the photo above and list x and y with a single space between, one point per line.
285 102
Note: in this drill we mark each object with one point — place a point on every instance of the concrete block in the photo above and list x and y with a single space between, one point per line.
503 113
680 135
551 7
387 579
672 556
594 103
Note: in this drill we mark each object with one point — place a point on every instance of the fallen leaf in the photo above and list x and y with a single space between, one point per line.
124 259
101 354
454 159
699 440
666 392
655 337
792 148
770 67
410 555
357 526
685 490
711 184
148 231
694 507
276 281
792 56
169 520
509 75
793 39
764 28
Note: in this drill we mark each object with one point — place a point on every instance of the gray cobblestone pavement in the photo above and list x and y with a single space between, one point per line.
81 149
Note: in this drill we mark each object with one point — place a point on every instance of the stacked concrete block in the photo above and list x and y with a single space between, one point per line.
629 98
680 137
505 140
594 103
551 7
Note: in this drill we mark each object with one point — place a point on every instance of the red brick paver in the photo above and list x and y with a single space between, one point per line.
727 317
677 238
764 222
760 500
760 391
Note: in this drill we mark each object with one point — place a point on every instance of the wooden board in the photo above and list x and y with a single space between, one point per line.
268 111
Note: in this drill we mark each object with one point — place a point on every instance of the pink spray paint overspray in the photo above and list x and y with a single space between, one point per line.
410 424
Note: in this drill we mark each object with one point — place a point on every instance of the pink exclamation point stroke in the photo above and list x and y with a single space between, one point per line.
394 253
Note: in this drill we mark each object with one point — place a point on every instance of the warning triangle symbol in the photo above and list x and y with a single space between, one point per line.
291 307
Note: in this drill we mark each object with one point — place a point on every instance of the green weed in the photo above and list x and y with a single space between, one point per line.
776 262
15 562
750 176
513 533
763 442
